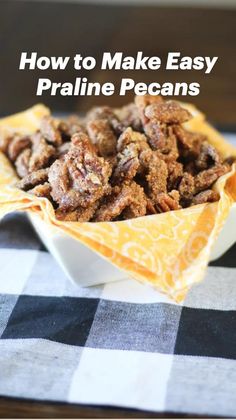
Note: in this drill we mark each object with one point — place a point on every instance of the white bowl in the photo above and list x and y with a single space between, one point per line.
227 236
81 265
86 268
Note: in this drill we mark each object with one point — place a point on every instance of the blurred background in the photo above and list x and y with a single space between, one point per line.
206 28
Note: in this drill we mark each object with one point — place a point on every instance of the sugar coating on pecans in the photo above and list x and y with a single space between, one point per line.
117 164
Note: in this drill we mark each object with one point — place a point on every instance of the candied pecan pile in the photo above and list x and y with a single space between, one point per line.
117 164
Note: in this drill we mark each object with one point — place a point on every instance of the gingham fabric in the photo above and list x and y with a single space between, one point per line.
120 344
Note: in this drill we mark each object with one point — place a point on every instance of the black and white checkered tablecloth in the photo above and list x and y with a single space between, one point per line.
120 344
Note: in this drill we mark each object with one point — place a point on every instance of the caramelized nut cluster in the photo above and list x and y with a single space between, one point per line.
117 164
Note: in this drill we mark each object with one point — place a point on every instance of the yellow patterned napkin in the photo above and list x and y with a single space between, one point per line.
170 251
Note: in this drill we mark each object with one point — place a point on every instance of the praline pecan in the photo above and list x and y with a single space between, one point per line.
208 156
41 190
167 202
128 198
205 197
129 117
108 114
206 178
102 136
130 145
81 214
130 136
41 153
168 112
142 102
49 130
22 163
80 177
17 145
175 173
156 173
187 186
189 143
71 125
33 179
127 164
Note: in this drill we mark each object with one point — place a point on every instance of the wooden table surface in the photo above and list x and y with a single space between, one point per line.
67 28
16 408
